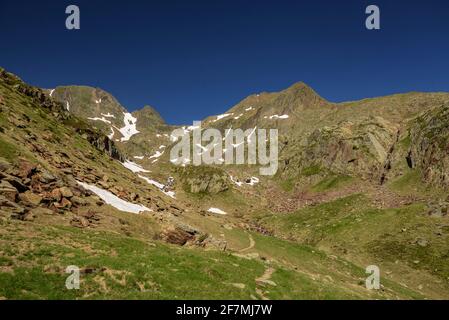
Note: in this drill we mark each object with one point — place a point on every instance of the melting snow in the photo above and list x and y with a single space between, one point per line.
113 200
254 180
130 127
138 157
156 155
159 185
239 183
100 119
67 106
216 210
221 116
191 128
98 101
183 161
238 117
112 134
249 109
51 92
285 116
162 146
134 167
108 115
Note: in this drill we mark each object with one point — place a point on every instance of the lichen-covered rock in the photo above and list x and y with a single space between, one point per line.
355 148
429 150
204 180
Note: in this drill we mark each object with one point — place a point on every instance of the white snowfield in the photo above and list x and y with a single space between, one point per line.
191 128
108 115
249 109
159 185
51 92
162 147
115 201
156 155
112 134
134 167
183 162
67 105
238 183
254 180
100 119
221 116
285 116
130 127
216 210
138 157
98 101
238 117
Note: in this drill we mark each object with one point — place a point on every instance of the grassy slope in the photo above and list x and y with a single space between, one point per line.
390 238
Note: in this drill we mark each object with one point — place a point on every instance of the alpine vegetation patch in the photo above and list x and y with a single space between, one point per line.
189 147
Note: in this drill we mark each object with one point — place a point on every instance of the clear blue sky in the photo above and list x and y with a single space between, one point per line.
192 58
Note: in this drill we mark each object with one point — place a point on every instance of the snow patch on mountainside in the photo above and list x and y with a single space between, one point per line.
134 167
238 183
156 155
253 181
216 210
222 116
110 136
178 161
285 116
159 185
100 119
113 200
130 127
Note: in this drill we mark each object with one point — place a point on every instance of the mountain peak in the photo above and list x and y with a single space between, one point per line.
301 95
148 116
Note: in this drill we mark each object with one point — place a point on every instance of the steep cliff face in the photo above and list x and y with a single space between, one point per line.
355 148
429 148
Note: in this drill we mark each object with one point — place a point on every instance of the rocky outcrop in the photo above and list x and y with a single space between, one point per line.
429 148
104 144
354 148
27 190
204 180
36 94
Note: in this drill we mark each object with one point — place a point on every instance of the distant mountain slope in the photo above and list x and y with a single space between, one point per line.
138 134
